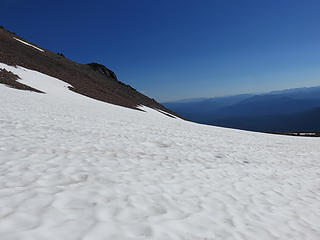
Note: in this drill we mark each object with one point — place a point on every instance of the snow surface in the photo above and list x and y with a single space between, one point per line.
75 168
28 44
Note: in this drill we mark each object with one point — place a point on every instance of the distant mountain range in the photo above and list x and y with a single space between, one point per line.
279 111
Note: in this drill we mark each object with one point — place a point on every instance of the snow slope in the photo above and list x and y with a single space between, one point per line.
76 168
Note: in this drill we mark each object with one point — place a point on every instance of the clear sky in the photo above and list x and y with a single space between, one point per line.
181 49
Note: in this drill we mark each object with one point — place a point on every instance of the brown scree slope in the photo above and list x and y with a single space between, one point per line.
92 80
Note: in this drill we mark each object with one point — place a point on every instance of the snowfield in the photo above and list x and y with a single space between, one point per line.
75 168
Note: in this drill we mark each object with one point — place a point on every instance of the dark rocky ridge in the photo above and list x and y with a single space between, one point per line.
103 70
92 80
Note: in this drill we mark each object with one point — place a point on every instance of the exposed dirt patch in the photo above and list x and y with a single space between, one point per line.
10 79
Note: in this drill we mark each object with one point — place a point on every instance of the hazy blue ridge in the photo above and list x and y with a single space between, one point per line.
286 110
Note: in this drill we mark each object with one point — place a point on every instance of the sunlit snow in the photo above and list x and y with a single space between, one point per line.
75 168
28 44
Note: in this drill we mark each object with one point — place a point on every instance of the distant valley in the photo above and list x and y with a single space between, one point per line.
291 110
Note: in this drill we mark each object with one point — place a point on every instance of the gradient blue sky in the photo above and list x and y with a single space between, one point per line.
181 49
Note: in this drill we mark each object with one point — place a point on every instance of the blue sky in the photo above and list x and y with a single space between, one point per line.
181 49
